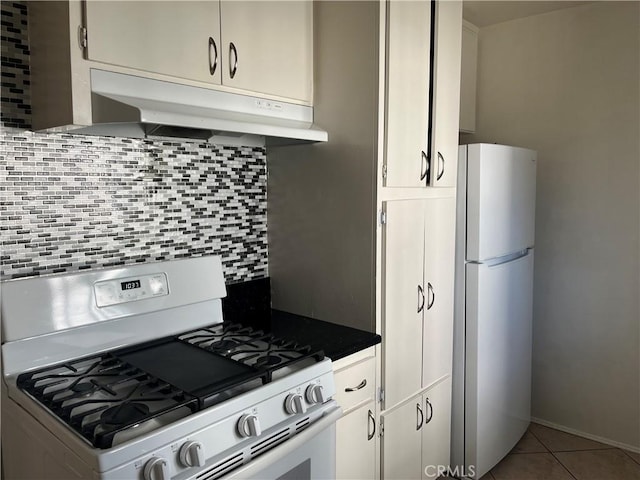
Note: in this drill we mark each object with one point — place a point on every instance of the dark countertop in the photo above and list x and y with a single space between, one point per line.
249 303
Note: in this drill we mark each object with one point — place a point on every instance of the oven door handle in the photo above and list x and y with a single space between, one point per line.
254 467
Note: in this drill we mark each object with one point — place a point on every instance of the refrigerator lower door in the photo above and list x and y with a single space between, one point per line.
498 359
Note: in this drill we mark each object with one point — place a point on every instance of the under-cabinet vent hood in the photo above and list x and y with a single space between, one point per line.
129 106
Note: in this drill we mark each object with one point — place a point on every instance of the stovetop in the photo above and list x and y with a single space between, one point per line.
125 393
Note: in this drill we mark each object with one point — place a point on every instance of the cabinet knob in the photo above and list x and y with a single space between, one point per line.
440 163
233 60
360 386
372 421
213 59
424 165
429 408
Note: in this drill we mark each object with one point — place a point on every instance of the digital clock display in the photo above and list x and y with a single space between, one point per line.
130 285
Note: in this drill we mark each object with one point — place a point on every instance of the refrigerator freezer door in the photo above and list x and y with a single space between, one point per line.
498 359
501 190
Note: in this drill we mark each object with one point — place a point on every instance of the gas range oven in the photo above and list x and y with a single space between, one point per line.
132 373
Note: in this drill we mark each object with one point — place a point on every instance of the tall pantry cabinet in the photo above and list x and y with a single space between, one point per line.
361 229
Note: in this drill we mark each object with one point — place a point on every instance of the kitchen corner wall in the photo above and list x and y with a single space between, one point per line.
73 202
566 84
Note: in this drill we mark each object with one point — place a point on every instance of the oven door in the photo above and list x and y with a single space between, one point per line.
310 455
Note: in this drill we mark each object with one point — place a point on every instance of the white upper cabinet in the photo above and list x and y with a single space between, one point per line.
407 96
446 100
264 46
177 38
268 47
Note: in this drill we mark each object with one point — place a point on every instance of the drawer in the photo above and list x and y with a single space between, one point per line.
361 374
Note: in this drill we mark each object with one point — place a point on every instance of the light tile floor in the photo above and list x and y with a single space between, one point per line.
548 454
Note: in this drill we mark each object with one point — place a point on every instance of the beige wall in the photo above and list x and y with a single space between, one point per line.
567 84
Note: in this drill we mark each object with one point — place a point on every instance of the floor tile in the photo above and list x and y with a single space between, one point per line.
558 441
600 464
634 455
530 466
528 444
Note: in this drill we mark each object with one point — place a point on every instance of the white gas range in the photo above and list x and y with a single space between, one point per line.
131 373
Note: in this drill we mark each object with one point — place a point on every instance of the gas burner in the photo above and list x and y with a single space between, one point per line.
268 360
83 388
124 413
225 345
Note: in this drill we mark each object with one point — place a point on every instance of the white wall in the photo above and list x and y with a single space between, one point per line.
567 84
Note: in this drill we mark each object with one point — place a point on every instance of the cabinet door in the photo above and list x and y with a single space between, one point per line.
402 441
268 47
403 240
356 444
177 38
438 282
446 101
436 432
407 108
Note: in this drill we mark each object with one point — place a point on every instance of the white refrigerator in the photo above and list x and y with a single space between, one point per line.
493 304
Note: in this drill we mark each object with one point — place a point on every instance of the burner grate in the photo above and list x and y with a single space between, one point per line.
261 351
93 395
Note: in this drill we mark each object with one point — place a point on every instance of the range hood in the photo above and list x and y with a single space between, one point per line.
129 106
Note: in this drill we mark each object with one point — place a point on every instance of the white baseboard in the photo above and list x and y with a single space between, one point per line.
607 441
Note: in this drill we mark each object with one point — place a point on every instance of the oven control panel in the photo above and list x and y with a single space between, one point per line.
130 289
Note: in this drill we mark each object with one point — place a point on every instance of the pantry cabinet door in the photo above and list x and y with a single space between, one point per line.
436 432
439 283
446 101
401 441
356 444
268 47
403 301
177 38
407 101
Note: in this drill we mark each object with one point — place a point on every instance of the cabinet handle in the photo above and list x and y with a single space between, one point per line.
213 62
420 416
429 408
420 298
431 294
372 421
440 162
233 64
424 165
362 384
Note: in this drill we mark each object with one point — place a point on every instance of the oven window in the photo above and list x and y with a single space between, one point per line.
301 472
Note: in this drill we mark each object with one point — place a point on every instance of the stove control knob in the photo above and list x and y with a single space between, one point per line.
249 426
294 404
192 454
156 469
314 394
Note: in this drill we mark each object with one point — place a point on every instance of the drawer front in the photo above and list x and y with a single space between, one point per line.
360 377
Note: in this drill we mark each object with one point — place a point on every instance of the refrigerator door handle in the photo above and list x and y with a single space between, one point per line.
496 262
420 298
432 294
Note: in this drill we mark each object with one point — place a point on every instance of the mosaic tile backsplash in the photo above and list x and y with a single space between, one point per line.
72 202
